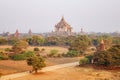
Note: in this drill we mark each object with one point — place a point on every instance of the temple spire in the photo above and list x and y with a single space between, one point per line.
81 30
62 18
16 33
102 42
30 32
102 45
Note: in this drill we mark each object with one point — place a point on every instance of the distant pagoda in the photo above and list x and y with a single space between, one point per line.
30 32
16 34
62 26
101 46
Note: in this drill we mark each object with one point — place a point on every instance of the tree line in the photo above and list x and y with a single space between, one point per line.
37 40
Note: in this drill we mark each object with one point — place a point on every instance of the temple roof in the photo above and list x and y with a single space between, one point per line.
63 23
102 42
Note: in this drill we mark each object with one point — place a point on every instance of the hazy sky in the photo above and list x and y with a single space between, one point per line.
41 15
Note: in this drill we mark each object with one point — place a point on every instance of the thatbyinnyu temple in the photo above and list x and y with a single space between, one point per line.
62 26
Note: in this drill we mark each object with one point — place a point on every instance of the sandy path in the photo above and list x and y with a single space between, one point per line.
50 68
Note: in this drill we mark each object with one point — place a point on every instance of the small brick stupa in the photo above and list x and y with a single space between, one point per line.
16 34
30 32
101 47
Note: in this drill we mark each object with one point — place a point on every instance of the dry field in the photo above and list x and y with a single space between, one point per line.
73 73
5 46
47 48
10 66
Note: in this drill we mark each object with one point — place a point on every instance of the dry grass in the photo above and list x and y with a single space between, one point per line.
10 66
49 48
73 73
5 46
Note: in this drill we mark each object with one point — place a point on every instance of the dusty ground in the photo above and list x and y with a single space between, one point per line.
61 50
10 66
49 48
73 73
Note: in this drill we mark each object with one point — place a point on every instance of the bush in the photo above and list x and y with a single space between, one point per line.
36 63
22 56
3 56
18 57
7 49
43 49
80 43
84 61
36 49
111 57
28 54
53 53
93 49
59 55
19 46
89 57
72 53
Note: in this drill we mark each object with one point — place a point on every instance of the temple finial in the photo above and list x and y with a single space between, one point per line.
102 42
63 17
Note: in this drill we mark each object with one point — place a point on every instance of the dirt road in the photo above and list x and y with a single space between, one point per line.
50 68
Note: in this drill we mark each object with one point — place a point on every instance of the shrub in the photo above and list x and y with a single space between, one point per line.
72 53
89 57
28 54
59 55
7 49
93 49
84 61
23 55
43 49
111 57
36 49
3 56
18 57
36 63
53 53
80 43
19 46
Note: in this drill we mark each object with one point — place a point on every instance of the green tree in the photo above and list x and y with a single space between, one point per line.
116 40
103 58
12 40
3 41
37 40
107 40
36 63
3 56
53 52
83 61
19 46
111 57
30 41
72 53
23 55
80 44
51 40
36 49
